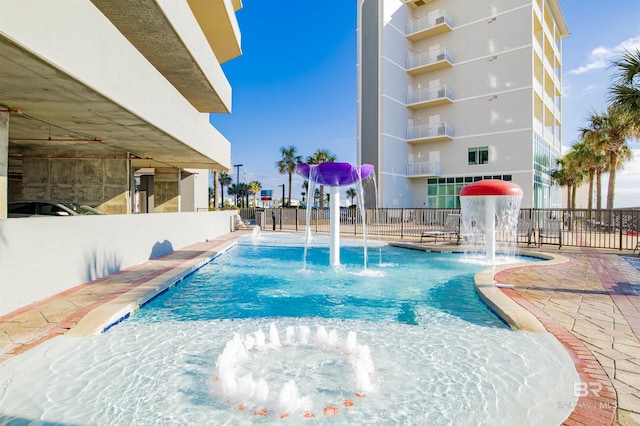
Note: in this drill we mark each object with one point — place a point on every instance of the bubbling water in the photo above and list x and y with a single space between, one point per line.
235 382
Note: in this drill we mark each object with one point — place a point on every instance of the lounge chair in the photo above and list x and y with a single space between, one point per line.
450 229
525 229
550 228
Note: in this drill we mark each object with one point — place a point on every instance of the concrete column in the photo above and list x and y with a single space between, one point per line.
167 190
188 192
215 188
4 161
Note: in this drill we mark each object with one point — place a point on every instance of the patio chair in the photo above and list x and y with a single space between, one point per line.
451 228
550 228
526 230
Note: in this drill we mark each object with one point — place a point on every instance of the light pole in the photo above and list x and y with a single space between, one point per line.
237 166
282 194
282 206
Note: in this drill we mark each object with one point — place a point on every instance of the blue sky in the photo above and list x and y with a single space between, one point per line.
295 83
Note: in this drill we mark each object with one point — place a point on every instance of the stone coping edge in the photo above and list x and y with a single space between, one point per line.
514 314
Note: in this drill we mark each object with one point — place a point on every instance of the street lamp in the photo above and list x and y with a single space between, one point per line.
237 166
282 194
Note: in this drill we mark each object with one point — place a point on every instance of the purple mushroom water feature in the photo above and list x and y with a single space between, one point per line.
334 175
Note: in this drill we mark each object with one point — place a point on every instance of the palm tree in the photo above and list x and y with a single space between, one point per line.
625 93
213 193
287 164
243 195
597 164
319 157
225 180
233 190
254 188
351 194
590 159
612 129
570 175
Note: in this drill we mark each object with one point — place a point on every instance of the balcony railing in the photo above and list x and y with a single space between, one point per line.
427 22
426 58
436 132
417 3
427 168
429 94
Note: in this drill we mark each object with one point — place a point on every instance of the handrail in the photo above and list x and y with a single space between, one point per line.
426 22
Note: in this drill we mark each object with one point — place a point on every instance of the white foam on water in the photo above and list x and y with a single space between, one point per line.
447 371
369 273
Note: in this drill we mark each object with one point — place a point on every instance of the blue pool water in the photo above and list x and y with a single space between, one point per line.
261 281
253 331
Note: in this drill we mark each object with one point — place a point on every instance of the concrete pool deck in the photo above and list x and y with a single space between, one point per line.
590 303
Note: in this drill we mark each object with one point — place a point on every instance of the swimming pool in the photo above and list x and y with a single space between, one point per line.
437 354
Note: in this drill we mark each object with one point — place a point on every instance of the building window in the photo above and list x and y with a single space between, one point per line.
479 155
445 192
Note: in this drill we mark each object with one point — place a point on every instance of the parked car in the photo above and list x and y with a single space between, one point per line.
48 208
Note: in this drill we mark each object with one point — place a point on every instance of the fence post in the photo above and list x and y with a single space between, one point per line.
402 223
620 228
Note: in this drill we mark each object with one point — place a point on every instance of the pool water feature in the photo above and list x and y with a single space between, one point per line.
490 207
336 175
436 354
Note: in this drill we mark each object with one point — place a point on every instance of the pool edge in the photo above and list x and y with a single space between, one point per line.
112 312
490 291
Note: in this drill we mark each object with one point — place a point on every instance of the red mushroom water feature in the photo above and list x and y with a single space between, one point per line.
487 205
334 175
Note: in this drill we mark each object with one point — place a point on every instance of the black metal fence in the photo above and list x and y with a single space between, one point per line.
611 229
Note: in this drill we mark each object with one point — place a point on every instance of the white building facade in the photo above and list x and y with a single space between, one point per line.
107 103
96 95
451 92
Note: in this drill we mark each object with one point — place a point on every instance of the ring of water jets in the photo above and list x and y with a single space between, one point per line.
248 393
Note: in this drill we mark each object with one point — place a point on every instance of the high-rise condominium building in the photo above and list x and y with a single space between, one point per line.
455 91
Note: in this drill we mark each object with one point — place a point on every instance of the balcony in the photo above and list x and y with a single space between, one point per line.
417 3
425 27
430 133
427 168
429 61
426 97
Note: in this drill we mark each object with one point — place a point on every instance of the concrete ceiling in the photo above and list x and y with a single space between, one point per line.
56 106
